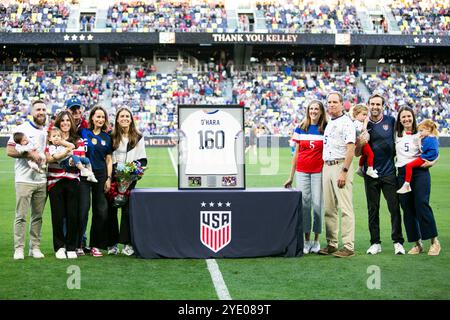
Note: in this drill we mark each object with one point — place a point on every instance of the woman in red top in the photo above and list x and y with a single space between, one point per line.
307 164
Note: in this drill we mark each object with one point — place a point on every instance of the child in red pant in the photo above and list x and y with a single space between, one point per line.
429 150
361 118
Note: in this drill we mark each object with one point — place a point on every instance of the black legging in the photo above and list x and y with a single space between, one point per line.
64 209
99 228
115 236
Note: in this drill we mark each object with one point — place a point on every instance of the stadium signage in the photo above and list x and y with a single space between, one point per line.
221 38
244 37
160 141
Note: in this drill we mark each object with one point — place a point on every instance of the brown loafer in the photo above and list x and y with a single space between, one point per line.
344 253
327 250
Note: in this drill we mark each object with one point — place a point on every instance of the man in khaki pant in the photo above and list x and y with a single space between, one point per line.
337 178
31 185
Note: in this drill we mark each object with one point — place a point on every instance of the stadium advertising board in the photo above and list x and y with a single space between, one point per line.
222 38
211 147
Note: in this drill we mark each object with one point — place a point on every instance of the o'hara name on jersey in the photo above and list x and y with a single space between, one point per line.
210 122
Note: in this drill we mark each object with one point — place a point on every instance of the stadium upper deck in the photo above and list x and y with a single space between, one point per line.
413 17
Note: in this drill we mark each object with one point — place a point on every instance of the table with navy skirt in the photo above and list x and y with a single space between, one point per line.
255 222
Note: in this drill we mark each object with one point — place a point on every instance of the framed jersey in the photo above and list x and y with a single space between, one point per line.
211 147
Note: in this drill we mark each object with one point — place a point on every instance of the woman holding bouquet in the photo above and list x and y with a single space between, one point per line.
129 148
98 150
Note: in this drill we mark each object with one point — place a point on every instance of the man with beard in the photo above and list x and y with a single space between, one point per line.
382 131
31 186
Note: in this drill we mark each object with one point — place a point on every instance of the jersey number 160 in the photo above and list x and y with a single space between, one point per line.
210 140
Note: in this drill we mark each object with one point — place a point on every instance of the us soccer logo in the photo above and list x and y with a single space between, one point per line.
215 228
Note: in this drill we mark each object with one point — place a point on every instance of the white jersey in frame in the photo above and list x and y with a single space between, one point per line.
210 142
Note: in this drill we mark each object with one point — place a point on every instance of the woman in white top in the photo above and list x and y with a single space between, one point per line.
128 145
418 215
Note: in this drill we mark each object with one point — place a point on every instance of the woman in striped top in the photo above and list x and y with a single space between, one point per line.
62 185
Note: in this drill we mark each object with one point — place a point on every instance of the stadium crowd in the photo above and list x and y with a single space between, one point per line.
46 16
275 101
158 16
428 95
304 16
310 17
422 16
19 89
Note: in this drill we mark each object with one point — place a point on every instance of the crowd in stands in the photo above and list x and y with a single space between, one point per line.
310 17
428 94
19 89
154 96
21 16
277 101
158 16
413 16
422 16
274 101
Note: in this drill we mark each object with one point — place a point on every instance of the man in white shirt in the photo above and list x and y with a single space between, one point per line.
31 186
337 178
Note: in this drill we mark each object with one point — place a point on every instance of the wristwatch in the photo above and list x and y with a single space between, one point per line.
344 169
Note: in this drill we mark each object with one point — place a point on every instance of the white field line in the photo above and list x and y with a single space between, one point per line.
213 267
219 283
172 159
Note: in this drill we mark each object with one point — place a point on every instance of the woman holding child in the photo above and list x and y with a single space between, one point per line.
63 184
415 202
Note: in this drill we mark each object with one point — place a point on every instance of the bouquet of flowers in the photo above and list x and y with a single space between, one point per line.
124 176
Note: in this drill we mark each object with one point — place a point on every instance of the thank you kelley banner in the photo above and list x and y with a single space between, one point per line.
254 38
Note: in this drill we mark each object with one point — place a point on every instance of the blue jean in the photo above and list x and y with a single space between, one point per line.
65 164
310 184
417 213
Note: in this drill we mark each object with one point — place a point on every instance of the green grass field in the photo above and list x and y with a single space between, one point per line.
308 277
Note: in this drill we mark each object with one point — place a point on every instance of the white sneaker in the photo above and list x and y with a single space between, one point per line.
72 255
405 188
372 173
61 253
128 250
114 250
84 172
315 248
398 248
307 247
18 254
91 177
36 253
360 172
374 249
